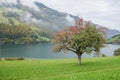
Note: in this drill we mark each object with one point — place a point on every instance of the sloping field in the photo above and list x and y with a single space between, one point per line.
107 68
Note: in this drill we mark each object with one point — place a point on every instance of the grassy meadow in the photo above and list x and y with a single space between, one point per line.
107 68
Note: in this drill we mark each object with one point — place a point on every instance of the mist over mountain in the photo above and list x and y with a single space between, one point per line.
35 13
45 17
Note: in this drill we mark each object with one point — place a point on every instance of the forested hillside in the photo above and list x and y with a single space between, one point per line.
114 39
21 34
39 22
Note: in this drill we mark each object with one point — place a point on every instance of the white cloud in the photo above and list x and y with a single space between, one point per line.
8 1
30 3
70 19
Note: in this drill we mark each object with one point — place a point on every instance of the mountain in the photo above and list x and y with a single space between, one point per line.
48 20
114 39
109 32
44 16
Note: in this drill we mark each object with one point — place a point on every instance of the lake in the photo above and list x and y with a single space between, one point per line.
43 51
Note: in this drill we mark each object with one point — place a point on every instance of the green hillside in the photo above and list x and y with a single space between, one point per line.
107 68
9 16
114 39
14 31
21 34
45 19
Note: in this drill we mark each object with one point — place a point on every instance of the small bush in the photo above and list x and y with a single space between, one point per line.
104 55
117 52
12 59
1 59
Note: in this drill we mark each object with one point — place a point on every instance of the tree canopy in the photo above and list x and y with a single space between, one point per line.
80 38
117 52
21 34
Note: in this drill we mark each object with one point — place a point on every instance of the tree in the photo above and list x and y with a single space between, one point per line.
117 52
81 38
20 33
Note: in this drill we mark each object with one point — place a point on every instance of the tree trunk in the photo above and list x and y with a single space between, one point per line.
79 59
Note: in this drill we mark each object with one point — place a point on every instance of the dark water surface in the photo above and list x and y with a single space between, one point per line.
43 51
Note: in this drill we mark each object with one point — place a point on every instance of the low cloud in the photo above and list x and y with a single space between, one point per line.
103 12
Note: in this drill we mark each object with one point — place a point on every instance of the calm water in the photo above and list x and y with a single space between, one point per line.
43 50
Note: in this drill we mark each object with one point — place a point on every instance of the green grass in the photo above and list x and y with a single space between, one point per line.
114 39
107 68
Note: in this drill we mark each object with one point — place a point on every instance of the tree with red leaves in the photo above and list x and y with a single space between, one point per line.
81 38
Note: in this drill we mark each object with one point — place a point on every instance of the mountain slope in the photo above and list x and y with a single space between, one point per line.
48 20
45 16
114 39
20 34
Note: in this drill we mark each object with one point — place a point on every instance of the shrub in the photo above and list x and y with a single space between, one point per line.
12 59
117 52
104 55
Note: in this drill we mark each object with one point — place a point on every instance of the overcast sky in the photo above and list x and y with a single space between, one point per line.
103 12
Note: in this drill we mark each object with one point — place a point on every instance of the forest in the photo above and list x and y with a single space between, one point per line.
21 34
